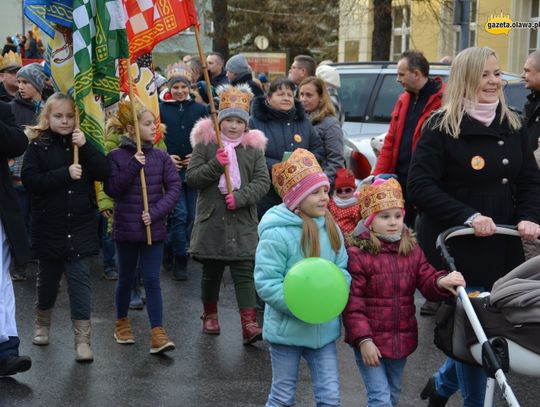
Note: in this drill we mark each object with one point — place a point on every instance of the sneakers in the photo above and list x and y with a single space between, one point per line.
160 342
122 331
11 365
110 273
429 308
136 301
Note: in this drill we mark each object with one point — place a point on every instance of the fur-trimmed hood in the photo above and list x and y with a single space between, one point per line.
203 133
262 111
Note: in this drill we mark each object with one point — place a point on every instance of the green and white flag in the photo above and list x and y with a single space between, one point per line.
99 38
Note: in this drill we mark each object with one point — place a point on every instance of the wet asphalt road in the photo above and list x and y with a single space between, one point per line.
203 371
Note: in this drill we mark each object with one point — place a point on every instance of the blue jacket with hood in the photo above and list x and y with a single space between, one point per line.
279 249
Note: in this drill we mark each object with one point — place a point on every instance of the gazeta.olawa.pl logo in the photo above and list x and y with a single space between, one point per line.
502 24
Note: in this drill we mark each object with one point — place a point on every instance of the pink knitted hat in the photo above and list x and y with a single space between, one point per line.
298 177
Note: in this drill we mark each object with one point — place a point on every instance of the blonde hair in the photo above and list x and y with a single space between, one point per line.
310 235
37 131
372 245
119 122
464 83
325 108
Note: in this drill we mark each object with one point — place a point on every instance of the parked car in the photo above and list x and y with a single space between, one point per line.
368 94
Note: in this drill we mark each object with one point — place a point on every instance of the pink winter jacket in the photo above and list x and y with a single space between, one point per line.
381 299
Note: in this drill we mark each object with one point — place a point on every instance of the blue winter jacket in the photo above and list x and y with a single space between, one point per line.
279 249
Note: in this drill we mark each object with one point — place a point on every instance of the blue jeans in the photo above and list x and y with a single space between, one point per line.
149 258
78 283
181 221
470 380
10 347
383 383
322 364
107 244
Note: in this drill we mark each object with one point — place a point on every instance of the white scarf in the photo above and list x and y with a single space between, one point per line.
345 203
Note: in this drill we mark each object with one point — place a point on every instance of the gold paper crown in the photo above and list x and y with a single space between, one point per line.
10 59
288 174
235 97
125 112
376 198
179 69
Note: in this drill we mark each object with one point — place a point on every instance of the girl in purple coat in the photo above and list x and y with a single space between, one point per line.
387 266
130 221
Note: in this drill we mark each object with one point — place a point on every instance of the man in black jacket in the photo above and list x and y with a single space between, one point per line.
13 243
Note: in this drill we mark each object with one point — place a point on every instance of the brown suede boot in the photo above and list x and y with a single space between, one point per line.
210 319
42 326
81 328
160 342
122 331
251 331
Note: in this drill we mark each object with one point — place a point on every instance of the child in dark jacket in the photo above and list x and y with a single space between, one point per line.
130 221
64 212
386 266
179 112
225 229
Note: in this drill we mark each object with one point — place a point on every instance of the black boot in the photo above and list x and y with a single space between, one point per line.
180 268
11 365
429 391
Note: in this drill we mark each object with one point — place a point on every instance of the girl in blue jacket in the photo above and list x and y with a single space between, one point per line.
300 227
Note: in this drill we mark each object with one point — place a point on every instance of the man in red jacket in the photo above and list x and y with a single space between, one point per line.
422 96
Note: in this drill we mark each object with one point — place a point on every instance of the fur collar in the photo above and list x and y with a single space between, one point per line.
203 133
262 111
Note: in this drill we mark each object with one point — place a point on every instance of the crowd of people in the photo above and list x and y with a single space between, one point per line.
258 193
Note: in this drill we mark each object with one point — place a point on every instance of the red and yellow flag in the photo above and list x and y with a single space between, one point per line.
152 21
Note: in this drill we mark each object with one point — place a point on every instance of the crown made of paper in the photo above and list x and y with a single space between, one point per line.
290 173
10 59
125 111
235 97
376 198
179 69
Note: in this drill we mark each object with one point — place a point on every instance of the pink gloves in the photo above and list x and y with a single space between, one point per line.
222 157
231 204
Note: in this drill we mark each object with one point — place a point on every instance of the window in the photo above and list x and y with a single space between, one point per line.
534 38
472 28
400 31
386 99
354 93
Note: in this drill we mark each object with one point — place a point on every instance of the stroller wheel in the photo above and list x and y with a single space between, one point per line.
430 392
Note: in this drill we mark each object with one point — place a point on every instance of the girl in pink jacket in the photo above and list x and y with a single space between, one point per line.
387 266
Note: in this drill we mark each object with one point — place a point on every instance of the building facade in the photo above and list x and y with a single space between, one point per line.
428 26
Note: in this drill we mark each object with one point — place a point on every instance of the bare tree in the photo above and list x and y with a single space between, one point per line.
382 30
221 24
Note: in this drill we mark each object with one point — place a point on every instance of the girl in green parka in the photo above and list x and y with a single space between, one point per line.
225 228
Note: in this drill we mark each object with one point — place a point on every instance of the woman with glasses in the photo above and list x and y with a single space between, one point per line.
322 114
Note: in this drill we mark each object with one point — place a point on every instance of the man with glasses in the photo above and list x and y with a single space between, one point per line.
302 67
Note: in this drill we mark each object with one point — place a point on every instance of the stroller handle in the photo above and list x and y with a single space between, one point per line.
440 244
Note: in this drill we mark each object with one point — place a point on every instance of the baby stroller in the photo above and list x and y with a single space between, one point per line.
499 330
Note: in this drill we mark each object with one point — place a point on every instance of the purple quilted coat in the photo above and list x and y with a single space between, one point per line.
124 186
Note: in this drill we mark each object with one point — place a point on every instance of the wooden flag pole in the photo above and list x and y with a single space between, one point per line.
211 103
75 146
139 149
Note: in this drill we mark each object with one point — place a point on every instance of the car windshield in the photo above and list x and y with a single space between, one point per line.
354 92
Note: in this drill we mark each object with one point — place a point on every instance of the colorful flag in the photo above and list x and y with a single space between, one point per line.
144 86
98 39
150 22
59 60
46 13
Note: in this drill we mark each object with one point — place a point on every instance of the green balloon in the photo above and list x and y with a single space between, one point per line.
315 290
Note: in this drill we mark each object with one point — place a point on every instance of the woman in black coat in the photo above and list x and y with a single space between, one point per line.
474 166
285 124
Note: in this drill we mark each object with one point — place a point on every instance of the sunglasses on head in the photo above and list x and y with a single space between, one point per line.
346 190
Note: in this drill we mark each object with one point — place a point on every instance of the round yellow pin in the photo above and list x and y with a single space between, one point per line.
297 138
478 162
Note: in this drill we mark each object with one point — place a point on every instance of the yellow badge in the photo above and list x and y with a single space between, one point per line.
477 162
297 138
